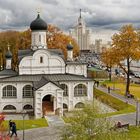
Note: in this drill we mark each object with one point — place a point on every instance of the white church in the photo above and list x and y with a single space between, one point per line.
44 81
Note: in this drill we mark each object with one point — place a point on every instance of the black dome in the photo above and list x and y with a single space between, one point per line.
8 54
69 47
38 24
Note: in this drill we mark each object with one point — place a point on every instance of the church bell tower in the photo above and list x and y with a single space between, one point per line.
38 36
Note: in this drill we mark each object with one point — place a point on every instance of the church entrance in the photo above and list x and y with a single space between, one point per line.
47 104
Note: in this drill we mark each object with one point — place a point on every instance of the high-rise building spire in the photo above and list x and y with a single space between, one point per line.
80 13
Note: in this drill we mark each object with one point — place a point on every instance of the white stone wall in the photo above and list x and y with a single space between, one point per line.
77 69
38 39
8 63
18 102
71 100
51 64
70 55
48 89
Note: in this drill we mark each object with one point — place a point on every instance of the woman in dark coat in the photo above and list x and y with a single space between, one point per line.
14 129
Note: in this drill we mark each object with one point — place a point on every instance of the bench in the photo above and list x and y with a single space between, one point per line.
122 126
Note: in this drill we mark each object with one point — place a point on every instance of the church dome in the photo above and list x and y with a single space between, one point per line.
38 24
8 54
69 47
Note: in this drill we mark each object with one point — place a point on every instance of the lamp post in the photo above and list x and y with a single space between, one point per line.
137 112
23 116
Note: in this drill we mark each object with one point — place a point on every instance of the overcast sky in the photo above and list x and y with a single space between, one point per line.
103 16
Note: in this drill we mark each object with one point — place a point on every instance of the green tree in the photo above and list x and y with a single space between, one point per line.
126 47
86 124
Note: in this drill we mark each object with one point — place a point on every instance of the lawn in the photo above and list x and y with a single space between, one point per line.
29 124
115 103
120 88
134 133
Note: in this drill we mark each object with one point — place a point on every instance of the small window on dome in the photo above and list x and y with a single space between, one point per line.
39 38
41 59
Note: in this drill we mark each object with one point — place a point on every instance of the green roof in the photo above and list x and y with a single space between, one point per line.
95 69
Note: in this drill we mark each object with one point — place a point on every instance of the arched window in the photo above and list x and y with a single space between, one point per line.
79 105
27 107
65 106
65 88
41 59
9 107
39 38
80 90
9 92
27 91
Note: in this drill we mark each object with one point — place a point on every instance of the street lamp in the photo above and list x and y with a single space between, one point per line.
23 116
137 112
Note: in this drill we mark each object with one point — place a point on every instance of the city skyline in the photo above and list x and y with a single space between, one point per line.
101 15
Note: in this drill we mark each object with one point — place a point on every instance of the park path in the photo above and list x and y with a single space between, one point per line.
124 118
118 96
54 120
46 133
53 132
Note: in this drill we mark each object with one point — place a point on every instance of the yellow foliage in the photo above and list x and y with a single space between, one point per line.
126 46
56 39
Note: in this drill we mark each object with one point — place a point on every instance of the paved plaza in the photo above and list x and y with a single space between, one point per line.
53 132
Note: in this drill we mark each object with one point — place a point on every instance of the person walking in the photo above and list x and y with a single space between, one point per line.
14 129
10 127
109 89
97 83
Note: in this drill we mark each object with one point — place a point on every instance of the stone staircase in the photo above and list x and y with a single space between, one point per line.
54 120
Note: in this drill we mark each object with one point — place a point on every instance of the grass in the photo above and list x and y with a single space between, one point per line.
115 103
134 133
134 88
28 124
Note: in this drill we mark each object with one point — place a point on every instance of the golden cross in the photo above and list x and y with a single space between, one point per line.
38 10
8 45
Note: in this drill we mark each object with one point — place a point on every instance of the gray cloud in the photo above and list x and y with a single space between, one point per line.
104 14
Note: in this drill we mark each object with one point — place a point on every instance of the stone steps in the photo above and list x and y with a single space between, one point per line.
54 120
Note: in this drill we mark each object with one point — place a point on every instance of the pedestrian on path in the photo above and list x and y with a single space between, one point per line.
97 83
14 129
10 127
108 89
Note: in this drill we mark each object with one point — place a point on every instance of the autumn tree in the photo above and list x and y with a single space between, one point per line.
57 39
126 48
108 60
2 126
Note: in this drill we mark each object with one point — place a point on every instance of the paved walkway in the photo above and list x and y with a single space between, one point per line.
54 120
46 133
53 132
124 118
119 96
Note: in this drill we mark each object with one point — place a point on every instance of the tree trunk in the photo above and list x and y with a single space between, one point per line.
128 79
110 74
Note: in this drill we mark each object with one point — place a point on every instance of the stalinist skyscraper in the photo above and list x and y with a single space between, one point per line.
81 34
